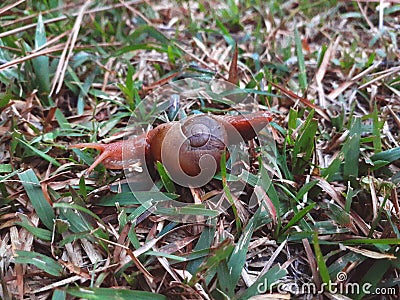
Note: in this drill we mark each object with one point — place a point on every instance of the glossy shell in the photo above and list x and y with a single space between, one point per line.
181 146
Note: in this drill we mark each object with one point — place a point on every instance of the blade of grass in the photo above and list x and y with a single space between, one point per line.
84 89
5 168
305 189
217 255
265 283
62 121
59 295
195 210
229 195
82 187
225 280
205 240
39 233
351 150
41 63
376 130
77 222
225 33
166 255
267 185
388 155
387 241
34 191
40 153
238 258
297 217
129 198
304 145
332 172
300 60
108 293
41 261
370 280
166 180
78 208
323 270
143 31
9 175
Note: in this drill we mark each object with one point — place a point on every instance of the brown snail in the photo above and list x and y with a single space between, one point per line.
187 146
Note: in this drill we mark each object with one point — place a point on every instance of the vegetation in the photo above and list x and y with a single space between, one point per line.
75 71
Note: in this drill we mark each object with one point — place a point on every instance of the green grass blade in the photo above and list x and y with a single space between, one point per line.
376 130
297 217
40 233
192 210
40 153
34 191
166 180
351 150
305 188
229 195
59 295
304 146
146 30
388 155
217 255
370 280
268 186
292 123
62 121
108 293
332 172
82 187
9 175
78 208
77 222
5 168
225 33
387 241
263 284
338 214
41 261
300 60
129 198
225 280
41 63
323 270
166 255
238 257
205 240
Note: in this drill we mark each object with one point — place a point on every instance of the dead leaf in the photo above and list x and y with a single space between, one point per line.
371 254
233 70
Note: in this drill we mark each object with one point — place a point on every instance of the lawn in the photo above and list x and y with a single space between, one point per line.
304 207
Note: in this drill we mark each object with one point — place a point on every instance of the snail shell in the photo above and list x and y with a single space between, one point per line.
190 150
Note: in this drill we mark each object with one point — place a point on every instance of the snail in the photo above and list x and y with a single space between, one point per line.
182 145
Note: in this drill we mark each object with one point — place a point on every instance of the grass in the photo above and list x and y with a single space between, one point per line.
326 215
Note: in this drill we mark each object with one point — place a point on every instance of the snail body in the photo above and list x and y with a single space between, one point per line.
195 145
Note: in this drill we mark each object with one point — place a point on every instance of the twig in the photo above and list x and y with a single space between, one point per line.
8 7
63 64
